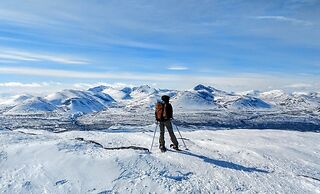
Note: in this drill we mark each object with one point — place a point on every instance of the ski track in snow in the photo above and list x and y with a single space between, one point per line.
228 161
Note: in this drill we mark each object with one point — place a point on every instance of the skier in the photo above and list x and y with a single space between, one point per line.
163 115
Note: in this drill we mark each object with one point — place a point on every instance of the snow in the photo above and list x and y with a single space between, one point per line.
14 100
32 105
143 89
83 105
118 94
224 161
77 101
201 106
98 89
200 99
202 87
273 93
254 93
249 102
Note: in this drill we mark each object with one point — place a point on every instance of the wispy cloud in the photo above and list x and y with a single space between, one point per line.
237 82
299 85
19 84
83 75
37 88
19 17
118 85
178 68
15 55
284 19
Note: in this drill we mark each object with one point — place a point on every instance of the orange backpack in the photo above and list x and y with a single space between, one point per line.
160 111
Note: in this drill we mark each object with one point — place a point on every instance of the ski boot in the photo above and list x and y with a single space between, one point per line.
174 147
163 149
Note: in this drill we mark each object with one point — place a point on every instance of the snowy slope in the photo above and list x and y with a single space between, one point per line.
118 94
82 105
142 97
98 89
309 100
193 100
143 92
229 161
127 93
14 100
59 98
144 89
200 97
81 101
291 101
32 105
249 102
211 90
253 93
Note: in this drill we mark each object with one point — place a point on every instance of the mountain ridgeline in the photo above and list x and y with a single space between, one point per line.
199 106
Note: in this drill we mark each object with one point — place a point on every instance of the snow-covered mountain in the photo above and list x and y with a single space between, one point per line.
98 88
200 97
59 98
253 93
294 100
137 97
69 101
74 101
32 105
82 105
102 107
193 100
14 100
118 94
249 102
144 89
207 97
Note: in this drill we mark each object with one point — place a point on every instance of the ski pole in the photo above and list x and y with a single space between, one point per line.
154 136
181 136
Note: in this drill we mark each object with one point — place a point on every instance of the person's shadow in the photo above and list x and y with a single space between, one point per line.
225 164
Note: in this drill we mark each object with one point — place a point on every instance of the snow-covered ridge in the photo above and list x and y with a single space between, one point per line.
32 105
225 161
69 101
200 97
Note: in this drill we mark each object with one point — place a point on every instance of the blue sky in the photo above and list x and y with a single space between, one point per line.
232 45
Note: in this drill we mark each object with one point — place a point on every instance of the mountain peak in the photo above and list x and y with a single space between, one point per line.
98 88
34 104
144 89
274 93
126 90
202 87
250 93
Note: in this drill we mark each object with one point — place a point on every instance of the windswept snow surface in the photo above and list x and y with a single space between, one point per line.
224 161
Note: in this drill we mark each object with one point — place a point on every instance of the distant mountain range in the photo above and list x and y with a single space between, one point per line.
199 98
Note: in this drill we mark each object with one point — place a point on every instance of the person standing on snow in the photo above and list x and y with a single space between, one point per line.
164 115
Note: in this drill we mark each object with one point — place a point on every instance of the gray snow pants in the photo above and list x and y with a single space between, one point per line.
173 138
